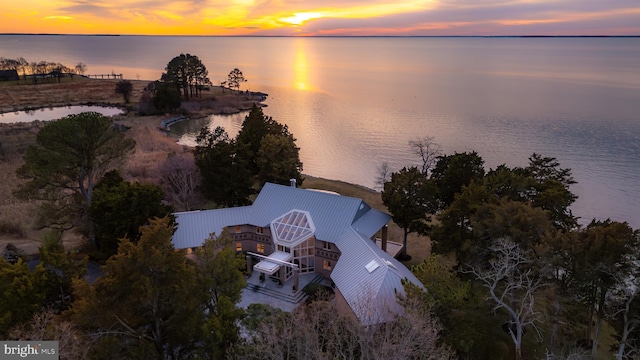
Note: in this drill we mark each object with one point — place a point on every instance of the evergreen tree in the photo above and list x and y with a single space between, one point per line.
125 88
21 293
165 97
452 172
235 78
279 160
149 304
60 267
602 264
225 172
220 268
120 209
410 198
255 127
188 74
71 156
550 190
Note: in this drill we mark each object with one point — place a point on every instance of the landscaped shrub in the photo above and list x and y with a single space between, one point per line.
316 292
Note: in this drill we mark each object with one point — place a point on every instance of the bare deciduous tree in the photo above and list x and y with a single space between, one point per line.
512 283
383 175
320 331
80 68
428 150
180 179
629 321
624 301
72 342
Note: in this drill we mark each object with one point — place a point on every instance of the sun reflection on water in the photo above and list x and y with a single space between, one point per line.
301 66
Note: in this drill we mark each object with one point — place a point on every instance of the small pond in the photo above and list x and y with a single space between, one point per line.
186 131
47 114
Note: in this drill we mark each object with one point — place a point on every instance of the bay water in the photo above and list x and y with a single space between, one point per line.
354 103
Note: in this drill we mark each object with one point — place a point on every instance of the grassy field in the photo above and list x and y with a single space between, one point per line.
15 97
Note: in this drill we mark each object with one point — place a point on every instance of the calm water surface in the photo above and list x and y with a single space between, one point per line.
353 103
53 113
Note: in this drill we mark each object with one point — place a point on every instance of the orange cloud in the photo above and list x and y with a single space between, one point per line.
330 17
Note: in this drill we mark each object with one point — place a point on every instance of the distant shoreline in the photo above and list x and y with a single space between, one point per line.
336 36
100 92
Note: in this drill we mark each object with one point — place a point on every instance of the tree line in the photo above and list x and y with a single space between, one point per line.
185 77
40 71
552 285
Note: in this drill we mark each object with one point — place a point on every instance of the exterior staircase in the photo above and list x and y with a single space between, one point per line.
284 292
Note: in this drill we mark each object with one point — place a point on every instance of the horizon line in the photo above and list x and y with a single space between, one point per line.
338 36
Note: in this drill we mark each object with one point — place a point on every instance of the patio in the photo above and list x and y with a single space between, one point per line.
270 293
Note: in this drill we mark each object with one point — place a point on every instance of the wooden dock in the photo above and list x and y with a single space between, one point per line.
106 76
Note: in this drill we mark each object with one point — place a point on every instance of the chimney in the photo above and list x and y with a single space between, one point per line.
385 230
293 182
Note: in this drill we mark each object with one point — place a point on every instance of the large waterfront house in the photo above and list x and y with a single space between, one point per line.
288 233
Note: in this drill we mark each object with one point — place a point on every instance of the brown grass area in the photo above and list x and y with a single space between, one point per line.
152 145
79 90
17 216
14 97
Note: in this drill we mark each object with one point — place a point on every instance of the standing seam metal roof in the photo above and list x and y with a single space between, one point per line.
347 222
194 227
330 213
359 286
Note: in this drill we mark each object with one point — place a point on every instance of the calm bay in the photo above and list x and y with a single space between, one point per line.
354 103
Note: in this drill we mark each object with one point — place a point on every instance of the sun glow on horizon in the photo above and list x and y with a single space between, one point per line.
330 17
58 17
301 18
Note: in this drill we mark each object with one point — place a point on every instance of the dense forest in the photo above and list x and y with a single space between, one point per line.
511 266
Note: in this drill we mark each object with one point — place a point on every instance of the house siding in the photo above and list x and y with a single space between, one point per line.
249 238
325 251
343 306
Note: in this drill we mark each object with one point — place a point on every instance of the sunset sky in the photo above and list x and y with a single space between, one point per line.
326 17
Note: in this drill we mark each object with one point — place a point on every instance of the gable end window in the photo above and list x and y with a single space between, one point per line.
259 230
238 228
